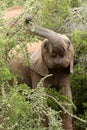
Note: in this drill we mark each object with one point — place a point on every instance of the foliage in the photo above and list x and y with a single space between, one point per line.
10 3
26 109
76 20
79 78
79 40
54 17
75 3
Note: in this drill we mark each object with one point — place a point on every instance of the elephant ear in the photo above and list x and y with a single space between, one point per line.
37 63
72 58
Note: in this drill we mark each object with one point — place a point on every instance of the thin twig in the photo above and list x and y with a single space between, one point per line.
74 116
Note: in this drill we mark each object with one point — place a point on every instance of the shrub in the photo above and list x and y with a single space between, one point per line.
79 78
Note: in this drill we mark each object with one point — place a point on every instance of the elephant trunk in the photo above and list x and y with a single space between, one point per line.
52 36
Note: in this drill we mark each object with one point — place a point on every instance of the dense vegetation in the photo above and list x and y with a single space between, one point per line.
22 108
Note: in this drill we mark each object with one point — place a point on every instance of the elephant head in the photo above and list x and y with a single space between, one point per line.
56 50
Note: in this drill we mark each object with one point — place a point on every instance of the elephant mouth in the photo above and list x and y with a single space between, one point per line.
59 63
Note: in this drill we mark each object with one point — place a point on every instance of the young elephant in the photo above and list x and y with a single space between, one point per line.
52 56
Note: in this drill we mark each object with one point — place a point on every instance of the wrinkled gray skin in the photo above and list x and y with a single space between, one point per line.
53 56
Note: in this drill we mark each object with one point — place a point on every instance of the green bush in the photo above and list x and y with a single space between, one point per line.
75 3
54 13
79 78
26 109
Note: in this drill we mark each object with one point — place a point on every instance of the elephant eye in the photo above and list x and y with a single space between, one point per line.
69 42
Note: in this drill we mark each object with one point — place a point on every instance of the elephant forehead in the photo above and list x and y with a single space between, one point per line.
65 37
63 41
66 41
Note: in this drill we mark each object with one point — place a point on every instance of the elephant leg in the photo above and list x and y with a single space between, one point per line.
67 123
35 79
67 120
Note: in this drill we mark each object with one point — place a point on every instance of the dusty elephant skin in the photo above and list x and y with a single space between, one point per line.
55 56
52 56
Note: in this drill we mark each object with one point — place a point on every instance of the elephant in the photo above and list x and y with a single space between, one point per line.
53 55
